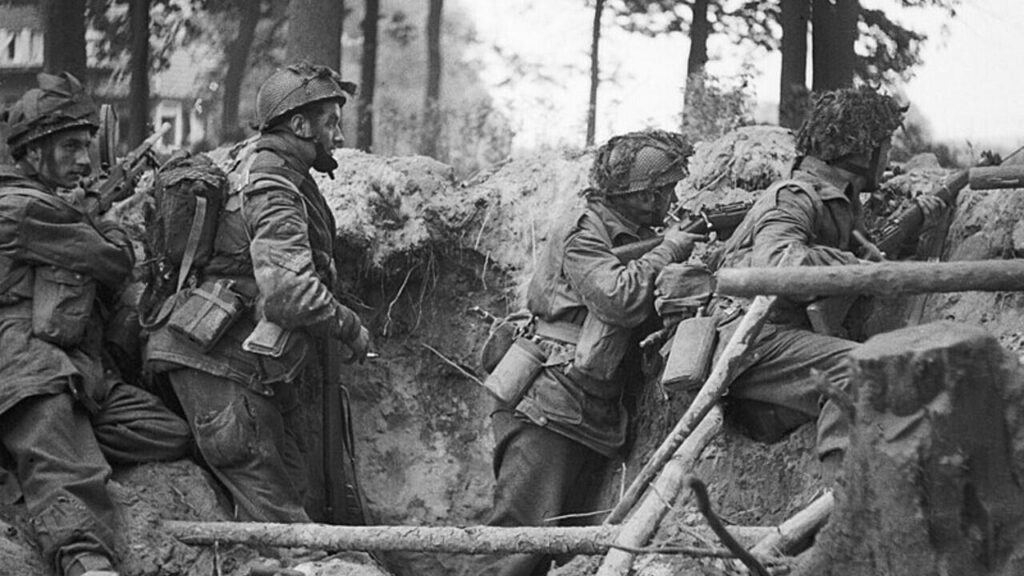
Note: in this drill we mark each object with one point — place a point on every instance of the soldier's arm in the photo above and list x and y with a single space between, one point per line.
294 295
789 225
41 232
618 294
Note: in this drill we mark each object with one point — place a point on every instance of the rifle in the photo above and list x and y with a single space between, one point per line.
342 497
722 220
119 175
908 223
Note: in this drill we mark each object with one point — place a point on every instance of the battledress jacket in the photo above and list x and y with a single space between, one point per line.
817 228
275 244
52 231
580 283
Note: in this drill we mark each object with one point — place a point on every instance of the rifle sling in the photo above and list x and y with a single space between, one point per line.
195 232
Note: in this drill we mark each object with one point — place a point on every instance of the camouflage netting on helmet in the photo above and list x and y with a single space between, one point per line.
59 103
293 87
639 161
848 121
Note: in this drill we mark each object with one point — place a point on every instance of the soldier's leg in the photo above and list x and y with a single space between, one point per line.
134 426
781 375
241 437
540 475
63 474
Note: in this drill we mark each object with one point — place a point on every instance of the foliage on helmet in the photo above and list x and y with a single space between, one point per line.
848 121
59 103
638 161
297 85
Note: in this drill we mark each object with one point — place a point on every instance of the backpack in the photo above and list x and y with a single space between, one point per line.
188 196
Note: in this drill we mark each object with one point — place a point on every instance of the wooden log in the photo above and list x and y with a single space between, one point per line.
885 279
727 367
643 523
994 177
449 539
797 529
930 481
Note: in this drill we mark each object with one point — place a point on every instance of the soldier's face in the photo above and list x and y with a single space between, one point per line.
325 126
648 207
62 160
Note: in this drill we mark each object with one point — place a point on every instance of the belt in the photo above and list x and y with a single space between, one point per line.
566 332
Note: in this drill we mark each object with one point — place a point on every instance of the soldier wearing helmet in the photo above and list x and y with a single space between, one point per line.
555 437
274 251
64 410
814 214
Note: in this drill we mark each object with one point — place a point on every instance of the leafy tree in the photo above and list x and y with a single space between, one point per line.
794 17
248 13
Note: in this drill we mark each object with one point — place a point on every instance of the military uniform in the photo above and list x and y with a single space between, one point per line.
813 215
275 245
553 445
64 410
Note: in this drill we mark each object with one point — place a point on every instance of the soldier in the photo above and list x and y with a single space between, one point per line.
64 410
554 441
273 263
815 214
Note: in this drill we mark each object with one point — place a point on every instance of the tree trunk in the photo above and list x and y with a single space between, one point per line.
930 482
700 29
64 37
238 58
884 279
138 96
314 31
793 85
833 36
368 76
595 72
429 145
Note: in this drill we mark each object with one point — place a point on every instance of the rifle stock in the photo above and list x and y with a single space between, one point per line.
909 222
722 220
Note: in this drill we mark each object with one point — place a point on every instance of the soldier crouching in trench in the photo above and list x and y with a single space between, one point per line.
64 410
815 215
554 438
273 262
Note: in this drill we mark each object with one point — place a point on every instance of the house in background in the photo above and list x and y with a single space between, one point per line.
175 93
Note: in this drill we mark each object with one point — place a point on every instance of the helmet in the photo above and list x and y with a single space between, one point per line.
295 86
639 161
58 104
848 121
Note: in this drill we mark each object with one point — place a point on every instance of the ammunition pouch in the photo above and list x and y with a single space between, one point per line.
499 339
62 303
205 313
516 371
689 359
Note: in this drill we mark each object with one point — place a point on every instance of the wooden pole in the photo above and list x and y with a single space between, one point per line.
449 539
885 279
728 366
637 531
796 529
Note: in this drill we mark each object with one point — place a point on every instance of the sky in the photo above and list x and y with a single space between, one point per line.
967 88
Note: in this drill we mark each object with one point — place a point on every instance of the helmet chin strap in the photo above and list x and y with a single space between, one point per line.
324 161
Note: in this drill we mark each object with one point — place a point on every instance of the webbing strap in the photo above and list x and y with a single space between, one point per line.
192 244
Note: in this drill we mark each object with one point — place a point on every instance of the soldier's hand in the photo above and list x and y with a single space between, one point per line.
360 346
682 240
933 209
